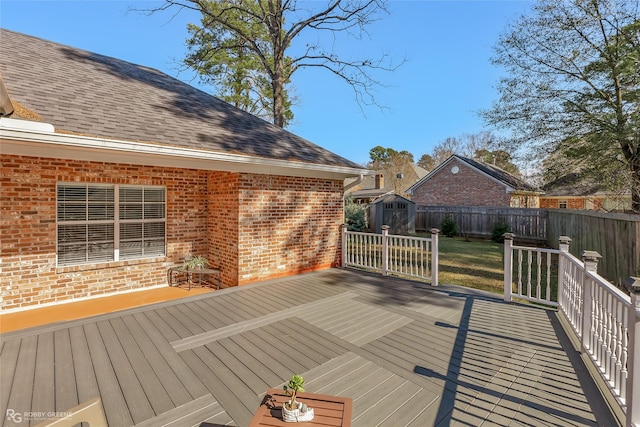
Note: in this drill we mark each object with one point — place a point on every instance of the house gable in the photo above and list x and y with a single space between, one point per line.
459 181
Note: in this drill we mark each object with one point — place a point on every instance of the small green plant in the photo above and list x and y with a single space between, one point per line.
292 388
194 262
449 227
355 216
500 227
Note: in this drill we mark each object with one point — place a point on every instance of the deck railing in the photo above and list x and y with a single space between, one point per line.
604 319
392 254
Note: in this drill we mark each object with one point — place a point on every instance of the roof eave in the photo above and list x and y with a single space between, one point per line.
38 143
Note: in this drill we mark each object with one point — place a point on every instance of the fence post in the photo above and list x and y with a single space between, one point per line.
590 260
633 360
344 245
563 245
508 265
434 256
385 249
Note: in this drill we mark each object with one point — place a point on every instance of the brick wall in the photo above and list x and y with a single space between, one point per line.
287 225
28 229
252 226
222 225
468 187
579 203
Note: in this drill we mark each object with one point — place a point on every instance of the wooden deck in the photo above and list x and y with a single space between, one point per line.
406 353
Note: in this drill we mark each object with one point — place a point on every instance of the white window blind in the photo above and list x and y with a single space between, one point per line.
98 223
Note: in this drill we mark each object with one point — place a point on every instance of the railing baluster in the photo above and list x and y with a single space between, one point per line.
539 278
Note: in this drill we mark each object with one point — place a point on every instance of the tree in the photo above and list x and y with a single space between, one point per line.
227 62
426 162
445 149
573 85
396 167
499 158
265 30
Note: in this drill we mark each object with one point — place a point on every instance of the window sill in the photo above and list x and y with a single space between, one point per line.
110 264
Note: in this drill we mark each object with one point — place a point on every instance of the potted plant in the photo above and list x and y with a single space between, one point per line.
194 262
292 410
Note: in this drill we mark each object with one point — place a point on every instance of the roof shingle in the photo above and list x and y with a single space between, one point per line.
90 94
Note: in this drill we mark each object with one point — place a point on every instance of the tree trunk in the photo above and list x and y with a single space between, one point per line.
278 94
635 184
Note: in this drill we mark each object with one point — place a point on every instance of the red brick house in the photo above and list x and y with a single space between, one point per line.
460 181
573 192
113 172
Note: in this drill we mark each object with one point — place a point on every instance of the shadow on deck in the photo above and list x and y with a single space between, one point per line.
406 353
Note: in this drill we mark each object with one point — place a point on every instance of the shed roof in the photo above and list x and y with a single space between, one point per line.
85 93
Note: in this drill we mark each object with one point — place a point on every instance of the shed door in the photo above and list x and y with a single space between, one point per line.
401 218
396 216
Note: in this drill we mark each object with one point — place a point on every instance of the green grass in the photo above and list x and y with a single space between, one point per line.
479 264
473 263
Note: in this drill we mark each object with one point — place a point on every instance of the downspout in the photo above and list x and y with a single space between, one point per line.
350 186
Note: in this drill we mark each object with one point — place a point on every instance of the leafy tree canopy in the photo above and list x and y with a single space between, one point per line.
572 85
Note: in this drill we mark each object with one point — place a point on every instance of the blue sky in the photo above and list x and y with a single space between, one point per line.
435 94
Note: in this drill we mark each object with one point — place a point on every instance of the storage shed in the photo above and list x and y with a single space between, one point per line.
396 212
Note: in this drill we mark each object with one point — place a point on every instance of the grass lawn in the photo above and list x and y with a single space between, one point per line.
475 264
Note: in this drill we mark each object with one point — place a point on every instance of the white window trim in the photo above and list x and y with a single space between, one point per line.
115 222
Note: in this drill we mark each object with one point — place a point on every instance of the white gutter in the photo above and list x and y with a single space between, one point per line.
43 143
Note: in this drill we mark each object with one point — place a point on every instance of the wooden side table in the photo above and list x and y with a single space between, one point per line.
328 410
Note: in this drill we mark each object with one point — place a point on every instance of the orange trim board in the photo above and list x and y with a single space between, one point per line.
91 307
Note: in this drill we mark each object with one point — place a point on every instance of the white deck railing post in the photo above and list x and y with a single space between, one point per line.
563 245
633 361
385 249
590 260
508 265
434 256
344 245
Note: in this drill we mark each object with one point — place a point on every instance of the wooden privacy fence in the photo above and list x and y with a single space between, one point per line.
390 254
526 223
615 236
605 320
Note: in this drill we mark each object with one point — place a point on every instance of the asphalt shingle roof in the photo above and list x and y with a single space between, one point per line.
90 94
499 174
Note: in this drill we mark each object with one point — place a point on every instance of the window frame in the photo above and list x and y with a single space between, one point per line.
115 220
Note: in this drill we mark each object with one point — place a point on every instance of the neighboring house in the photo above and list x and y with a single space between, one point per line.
460 181
384 183
113 172
571 192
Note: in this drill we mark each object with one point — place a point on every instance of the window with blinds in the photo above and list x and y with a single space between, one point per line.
101 223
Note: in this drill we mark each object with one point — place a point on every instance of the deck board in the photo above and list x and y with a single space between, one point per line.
64 377
167 381
83 365
45 373
178 367
8 364
111 393
20 397
406 353
154 392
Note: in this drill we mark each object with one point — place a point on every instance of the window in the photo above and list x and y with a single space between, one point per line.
100 223
562 204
